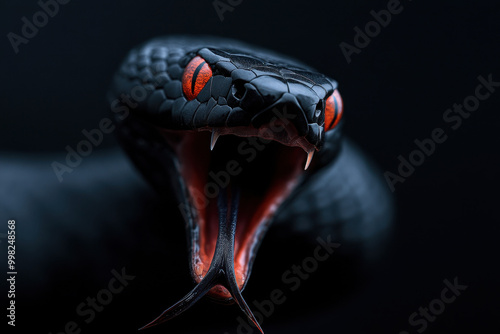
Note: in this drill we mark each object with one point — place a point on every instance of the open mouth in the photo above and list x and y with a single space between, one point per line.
236 179
263 165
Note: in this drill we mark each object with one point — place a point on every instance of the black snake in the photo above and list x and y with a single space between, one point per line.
242 137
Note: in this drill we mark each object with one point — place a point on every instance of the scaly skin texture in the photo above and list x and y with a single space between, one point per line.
236 88
246 82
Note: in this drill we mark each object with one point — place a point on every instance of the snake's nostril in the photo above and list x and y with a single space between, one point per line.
239 89
319 109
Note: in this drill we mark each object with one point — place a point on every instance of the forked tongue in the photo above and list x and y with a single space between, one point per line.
221 271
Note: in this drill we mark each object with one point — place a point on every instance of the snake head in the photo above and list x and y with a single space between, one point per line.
211 118
254 92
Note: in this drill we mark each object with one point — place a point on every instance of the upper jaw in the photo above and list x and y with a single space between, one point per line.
279 131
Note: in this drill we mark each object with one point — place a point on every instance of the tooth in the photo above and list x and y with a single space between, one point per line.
215 136
309 158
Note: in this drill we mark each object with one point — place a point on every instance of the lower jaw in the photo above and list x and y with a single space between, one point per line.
221 294
266 182
251 227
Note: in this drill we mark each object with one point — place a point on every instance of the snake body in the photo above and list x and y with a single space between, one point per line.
199 111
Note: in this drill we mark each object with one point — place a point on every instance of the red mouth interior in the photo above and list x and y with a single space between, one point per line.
264 170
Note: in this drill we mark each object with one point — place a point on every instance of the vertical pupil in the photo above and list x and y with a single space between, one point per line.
335 112
195 76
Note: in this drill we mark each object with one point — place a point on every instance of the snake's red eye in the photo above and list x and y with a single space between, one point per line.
195 77
333 110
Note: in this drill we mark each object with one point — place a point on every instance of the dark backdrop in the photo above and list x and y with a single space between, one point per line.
396 90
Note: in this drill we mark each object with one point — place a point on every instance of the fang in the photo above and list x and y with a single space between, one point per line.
310 155
215 136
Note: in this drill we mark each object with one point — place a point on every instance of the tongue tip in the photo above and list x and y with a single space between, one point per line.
149 325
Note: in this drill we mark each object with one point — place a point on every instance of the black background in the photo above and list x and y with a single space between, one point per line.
395 90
